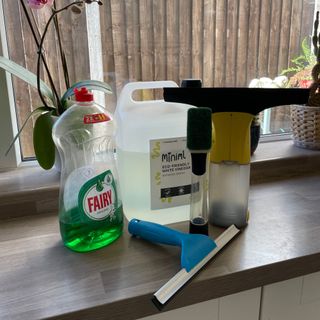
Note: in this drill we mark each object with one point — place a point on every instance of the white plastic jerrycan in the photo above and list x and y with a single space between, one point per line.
153 162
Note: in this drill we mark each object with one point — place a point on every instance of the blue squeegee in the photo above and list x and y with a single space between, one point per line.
196 251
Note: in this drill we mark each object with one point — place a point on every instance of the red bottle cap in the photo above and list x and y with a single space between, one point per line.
83 95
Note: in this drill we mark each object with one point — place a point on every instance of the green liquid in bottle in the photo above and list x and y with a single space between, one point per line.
88 234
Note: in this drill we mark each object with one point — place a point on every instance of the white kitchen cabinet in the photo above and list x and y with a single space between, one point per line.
244 305
208 310
294 299
241 306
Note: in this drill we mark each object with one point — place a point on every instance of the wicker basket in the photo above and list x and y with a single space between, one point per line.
305 122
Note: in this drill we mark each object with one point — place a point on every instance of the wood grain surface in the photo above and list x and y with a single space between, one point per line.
39 278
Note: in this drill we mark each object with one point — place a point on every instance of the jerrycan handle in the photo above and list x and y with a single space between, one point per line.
125 100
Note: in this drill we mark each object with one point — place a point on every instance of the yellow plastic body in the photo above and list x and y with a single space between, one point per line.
231 137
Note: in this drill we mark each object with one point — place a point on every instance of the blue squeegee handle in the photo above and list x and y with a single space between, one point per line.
155 232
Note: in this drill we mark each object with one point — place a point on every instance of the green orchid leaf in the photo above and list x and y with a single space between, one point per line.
89 84
26 76
42 141
286 71
35 112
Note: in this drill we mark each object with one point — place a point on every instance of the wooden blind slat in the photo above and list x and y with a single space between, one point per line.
173 40
66 36
119 43
294 44
253 42
136 40
264 38
220 43
197 38
80 47
209 8
130 38
185 39
147 45
274 38
231 46
159 30
133 42
284 34
146 34
243 39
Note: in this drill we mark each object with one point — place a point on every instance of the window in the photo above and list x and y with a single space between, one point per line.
223 42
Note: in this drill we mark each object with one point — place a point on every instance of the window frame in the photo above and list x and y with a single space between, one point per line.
8 119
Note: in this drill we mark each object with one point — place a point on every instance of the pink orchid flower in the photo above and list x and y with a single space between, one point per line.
38 4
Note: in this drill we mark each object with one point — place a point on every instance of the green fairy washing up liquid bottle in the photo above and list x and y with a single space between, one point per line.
90 209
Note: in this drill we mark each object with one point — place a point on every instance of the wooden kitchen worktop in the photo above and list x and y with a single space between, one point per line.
39 278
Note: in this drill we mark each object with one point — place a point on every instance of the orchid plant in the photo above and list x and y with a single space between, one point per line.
300 71
53 104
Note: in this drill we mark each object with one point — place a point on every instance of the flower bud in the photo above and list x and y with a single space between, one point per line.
39 4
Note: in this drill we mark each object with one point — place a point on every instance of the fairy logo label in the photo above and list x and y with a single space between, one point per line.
97 197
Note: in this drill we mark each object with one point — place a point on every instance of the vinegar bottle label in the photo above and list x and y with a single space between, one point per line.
170 173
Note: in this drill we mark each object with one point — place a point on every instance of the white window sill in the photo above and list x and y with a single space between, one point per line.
285 149
31 190
279 160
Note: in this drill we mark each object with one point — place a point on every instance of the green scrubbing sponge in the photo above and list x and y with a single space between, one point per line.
199 129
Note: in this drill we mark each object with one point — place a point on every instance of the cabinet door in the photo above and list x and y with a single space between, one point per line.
294 299
244 305
241 306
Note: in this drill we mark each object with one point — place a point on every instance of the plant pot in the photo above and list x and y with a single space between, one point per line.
305 124
255 137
